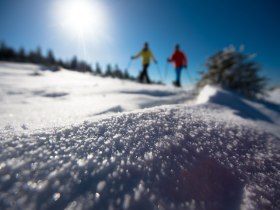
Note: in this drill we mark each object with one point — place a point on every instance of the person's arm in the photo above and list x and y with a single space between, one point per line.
171 59
136 56
152 56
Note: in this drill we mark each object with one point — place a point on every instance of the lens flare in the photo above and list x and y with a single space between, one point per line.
82 18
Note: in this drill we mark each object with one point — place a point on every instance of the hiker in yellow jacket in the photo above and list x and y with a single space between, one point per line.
146 55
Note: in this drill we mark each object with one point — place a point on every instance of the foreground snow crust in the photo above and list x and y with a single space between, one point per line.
162 158
216 155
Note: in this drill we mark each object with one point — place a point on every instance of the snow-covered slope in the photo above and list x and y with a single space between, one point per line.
263 114
213 155
274 95
31 98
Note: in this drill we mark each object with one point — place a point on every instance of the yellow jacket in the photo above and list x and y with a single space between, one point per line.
146 55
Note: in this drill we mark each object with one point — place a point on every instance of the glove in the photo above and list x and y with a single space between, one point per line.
168 60
132 57
156 61
185 66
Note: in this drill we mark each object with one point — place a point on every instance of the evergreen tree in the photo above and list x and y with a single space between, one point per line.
2 46
2 51
38 56
235 71
108 72
21 55
31 57
50 58
98 69
82 66
74 63
35 56
117 72
60 63
7 53
126 75
88 68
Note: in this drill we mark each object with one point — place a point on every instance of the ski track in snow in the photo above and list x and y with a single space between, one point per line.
167 157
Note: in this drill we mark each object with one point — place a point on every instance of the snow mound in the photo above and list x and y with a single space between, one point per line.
170 157
206 93
258 110
274 95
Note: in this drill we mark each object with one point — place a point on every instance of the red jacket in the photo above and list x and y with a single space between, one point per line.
179 59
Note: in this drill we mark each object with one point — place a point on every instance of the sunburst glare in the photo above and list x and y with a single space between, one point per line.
82 18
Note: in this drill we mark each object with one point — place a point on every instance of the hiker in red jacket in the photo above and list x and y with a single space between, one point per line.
180 61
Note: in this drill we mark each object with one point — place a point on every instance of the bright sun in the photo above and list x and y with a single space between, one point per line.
82 18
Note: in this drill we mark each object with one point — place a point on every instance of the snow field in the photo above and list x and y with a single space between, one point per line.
73 141
143 160
35 99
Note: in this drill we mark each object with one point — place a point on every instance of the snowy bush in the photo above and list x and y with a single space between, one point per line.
233 70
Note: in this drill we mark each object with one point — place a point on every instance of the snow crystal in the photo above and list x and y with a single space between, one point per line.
148 155
101 185
97 196
137 192
56 196
90 156
126 201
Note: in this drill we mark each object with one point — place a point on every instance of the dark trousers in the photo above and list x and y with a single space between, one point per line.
144 74
178 75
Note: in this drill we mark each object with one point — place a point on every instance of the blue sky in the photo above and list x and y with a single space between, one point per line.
201 27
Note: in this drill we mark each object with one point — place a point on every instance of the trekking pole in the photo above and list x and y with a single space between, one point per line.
127 69
166 71
128 65
189 75
158 68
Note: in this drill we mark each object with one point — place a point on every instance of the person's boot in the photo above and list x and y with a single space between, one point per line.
140 78
148 80
176 84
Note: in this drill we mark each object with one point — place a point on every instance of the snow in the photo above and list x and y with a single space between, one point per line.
48 99
205 95
263 113
138 147
274 95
